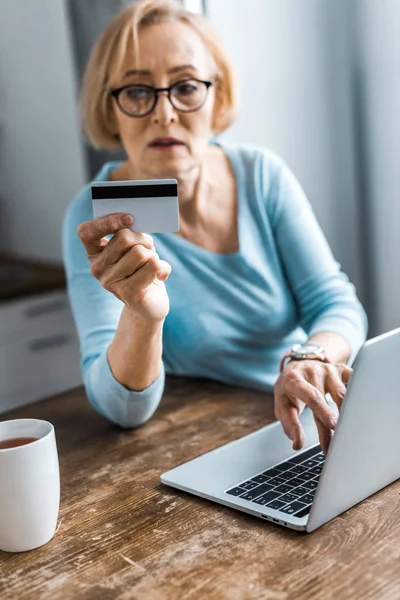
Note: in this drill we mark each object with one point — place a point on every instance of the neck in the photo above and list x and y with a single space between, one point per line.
189 186
188 183
194 185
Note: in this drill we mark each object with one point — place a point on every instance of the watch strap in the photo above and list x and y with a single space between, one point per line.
289 354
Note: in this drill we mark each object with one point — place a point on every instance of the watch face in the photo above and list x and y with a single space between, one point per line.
307 349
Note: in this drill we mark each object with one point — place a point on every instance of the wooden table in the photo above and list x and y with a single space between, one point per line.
20 277
123 535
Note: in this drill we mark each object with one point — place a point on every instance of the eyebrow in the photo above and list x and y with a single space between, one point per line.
145 72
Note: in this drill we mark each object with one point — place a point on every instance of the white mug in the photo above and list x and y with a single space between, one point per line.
29 486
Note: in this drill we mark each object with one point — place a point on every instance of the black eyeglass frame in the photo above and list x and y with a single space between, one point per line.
115 94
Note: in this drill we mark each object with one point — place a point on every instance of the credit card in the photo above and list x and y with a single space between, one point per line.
153 203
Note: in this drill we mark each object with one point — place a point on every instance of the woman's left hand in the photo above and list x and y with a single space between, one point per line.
305 382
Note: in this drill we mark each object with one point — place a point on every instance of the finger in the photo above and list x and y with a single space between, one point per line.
92 232
119 245
324 434
297 387
325 379
164 270
147 275
345 372
288 414
335 386
134 259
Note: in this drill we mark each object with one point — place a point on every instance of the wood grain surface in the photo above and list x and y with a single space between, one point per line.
122 535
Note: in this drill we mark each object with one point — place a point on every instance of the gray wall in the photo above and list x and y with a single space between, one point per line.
41 159
377 73
86 19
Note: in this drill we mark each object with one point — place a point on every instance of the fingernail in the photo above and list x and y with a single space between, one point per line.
127 220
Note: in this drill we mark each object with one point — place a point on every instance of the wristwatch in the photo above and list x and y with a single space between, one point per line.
305 352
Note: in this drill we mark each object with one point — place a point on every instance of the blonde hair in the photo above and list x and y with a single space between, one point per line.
96 102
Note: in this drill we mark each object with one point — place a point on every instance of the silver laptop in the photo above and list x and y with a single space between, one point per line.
262 475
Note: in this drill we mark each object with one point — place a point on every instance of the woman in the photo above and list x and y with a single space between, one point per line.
252 275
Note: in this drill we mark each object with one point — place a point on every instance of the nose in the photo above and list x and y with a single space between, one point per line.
164 113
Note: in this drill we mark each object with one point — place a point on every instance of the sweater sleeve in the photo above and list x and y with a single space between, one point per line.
96 313
326 299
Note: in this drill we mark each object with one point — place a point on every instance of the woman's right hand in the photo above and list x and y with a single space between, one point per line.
127 265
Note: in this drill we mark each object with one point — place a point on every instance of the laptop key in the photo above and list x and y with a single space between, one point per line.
260 478
236 491
283 489
276 504
250 495
276 481
307 476
249 485
271 472
298 469
303 512
307 498
288 498
300 491
290 509
319 458
287 475
282 467
316 470
296 481
260 489
300 458
309 463
311 485
265 498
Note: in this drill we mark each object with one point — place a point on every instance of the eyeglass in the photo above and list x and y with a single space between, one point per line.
137 100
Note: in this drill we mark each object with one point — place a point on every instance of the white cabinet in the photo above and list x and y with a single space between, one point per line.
39 349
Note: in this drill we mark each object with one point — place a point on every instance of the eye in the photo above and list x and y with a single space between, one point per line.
186 88
137 93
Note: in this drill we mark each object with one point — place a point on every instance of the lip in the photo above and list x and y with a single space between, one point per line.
165 142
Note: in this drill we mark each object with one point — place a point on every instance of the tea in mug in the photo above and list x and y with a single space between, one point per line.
15 442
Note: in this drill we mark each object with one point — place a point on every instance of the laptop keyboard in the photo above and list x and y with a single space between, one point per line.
288 487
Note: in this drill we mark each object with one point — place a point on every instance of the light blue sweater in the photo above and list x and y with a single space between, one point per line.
233 316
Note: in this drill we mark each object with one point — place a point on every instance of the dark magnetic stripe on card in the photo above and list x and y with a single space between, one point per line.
134 191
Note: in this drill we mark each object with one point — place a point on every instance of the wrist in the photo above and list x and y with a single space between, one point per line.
135 353
301 352
141 326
